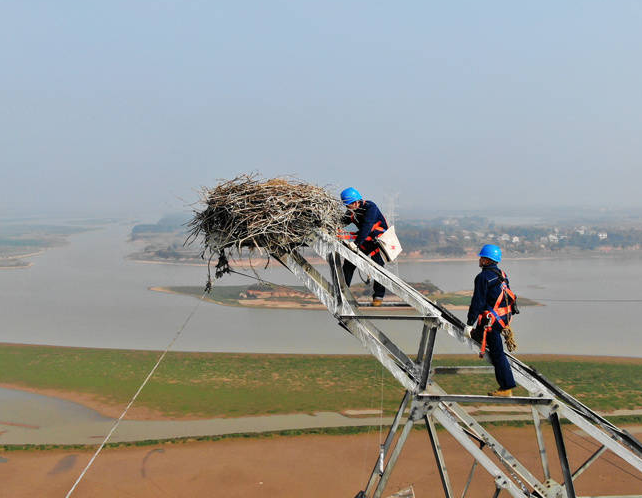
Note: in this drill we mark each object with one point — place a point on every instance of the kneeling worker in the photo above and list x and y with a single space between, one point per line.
491 308
371 224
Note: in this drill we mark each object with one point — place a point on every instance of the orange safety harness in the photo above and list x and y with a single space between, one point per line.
501 313
377 230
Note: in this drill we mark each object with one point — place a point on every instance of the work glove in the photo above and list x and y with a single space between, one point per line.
353 247
467 330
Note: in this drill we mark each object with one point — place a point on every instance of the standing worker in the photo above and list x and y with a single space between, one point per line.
371 224
491 309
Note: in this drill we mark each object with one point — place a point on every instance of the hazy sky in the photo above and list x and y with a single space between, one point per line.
123 107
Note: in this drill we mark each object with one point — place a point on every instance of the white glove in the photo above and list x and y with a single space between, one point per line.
352 246
468 329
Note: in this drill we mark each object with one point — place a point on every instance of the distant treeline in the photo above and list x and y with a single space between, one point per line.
455 236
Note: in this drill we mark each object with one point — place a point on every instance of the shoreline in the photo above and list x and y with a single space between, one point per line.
20 267
28 264
262 303
27 255
285 305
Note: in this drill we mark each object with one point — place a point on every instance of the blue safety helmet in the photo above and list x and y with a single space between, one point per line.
491 251
350 195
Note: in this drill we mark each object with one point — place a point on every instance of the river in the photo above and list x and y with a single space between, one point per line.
88 294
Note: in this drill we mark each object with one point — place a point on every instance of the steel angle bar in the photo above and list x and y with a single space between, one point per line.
612 440
464 370
470 479
588 462
439 456
393 459
561 451
388 441
422 343
348 301
401 357
350 307
336 277
427 358
318 284
404 376
540 444
563 395
496 400
505 457
387 317
350 310
324 244
311 278
606 439
376 333
542 384
451 425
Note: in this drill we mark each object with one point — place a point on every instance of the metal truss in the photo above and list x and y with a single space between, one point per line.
425 402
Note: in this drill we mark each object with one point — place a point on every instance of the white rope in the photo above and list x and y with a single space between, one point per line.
122 415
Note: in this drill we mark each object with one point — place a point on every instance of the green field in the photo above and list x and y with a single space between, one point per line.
231 385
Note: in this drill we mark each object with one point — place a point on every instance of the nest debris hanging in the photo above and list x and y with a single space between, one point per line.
276 215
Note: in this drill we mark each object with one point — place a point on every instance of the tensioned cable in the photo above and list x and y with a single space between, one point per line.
603 456
591 300
122 415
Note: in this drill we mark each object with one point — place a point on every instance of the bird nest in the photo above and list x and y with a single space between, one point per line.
276 215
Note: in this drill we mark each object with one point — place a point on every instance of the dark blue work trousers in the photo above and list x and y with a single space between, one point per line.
348 270
495 346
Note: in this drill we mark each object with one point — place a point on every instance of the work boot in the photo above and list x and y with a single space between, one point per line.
377 301
502 393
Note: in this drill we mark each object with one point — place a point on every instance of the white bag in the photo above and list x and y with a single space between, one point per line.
389 245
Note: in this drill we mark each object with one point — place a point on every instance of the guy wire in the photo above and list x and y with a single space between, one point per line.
122 415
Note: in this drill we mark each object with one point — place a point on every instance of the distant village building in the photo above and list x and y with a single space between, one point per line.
505 237
261 291
602 235
515 239
553 238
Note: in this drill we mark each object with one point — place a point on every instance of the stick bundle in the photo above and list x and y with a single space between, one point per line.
276 215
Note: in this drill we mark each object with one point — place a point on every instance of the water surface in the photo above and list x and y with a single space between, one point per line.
89 294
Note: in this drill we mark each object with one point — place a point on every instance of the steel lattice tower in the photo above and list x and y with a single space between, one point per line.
429 404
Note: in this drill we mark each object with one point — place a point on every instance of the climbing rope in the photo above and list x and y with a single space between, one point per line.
122 415
509 338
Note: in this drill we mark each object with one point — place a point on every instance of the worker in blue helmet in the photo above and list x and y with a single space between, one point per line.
371 224
491 310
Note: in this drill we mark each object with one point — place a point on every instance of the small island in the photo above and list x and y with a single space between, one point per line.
267 295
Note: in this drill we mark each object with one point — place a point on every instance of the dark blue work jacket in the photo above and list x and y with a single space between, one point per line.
368 220
487 290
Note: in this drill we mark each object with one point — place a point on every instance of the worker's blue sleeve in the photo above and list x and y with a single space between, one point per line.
370 217
478 301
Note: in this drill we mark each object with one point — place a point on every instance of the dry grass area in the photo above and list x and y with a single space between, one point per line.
291 467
